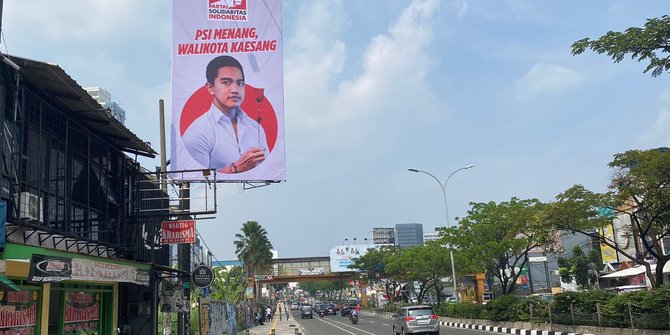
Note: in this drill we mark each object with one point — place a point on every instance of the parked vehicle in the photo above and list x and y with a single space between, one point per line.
416 319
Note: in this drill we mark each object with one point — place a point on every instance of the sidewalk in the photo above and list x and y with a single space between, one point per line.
281 327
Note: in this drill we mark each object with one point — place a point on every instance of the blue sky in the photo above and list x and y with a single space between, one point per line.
375 87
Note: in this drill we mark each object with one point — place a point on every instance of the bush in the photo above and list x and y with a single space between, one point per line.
505 308
466 310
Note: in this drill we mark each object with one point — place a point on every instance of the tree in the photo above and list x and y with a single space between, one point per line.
577 267
374 264
497 237
423 265
253 248
641 43
640 189
229 285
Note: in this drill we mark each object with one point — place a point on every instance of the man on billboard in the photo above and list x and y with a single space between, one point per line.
225 138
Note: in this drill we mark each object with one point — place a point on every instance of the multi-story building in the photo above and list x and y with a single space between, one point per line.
408 234
104 98
77 254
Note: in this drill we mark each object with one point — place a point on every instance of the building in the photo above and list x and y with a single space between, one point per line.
408 234
104 98
77 254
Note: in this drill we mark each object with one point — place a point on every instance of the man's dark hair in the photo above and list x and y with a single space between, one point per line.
219 62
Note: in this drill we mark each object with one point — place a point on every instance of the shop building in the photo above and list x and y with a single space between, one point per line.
77 255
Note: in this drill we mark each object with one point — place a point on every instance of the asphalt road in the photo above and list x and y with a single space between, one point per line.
367 325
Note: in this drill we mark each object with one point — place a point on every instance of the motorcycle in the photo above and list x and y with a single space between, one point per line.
322 313
354 317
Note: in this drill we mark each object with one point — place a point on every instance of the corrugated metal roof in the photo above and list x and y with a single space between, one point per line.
58 85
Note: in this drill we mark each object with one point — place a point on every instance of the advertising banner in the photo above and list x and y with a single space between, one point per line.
342 256
608 254
174 232
227 89
45 269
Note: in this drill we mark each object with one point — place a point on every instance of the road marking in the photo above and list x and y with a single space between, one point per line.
346 325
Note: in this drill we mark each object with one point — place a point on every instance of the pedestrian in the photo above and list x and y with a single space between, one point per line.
279 309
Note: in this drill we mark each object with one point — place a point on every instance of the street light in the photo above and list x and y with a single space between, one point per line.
446 212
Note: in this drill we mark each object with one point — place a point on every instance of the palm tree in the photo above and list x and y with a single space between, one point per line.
253 248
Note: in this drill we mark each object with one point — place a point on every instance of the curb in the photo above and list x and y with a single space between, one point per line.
494 329
505 330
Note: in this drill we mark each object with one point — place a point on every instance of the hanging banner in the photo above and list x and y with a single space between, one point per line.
228 90
174 232
45 269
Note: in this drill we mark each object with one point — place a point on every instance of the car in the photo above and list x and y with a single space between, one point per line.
345 309
306 312
294 306
416 319
331 309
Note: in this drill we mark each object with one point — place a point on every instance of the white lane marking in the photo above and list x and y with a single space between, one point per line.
351 326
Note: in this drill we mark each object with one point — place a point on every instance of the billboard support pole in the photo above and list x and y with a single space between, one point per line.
184 261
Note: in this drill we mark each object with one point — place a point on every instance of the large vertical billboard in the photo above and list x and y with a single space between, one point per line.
227 89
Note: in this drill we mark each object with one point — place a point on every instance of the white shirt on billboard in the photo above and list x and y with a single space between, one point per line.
211 141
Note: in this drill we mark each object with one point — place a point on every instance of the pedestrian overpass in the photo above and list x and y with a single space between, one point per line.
308 269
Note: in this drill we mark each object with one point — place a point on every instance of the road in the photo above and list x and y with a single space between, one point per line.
367 325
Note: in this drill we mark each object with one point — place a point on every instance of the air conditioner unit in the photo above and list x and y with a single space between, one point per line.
31 206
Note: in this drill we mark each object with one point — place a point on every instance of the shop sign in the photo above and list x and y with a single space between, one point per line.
202 276
83 269
10 318
45 269
82 312
175 232
50 269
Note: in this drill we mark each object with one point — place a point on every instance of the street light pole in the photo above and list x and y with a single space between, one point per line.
446 213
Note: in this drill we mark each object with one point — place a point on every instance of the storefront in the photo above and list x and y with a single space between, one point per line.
62 293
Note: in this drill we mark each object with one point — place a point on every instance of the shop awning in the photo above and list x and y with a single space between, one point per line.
626 272
6 284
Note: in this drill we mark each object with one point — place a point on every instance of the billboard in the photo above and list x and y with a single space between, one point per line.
227 89
343 255
383 235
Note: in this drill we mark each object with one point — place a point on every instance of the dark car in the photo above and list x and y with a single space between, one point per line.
306 312
416 319
320 308
345 309
331 309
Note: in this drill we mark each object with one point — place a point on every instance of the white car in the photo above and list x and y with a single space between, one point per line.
294 306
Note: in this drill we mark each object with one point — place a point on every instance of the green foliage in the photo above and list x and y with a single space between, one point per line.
253 247
650 308
464 310
577 267
505 308
648 43
496 237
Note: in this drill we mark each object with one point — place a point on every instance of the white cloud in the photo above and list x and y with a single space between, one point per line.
544 79
659 131
75 19
393 79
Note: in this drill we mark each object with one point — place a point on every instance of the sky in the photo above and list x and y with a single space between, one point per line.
373 88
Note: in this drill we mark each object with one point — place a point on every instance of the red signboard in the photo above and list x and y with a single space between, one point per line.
174 232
